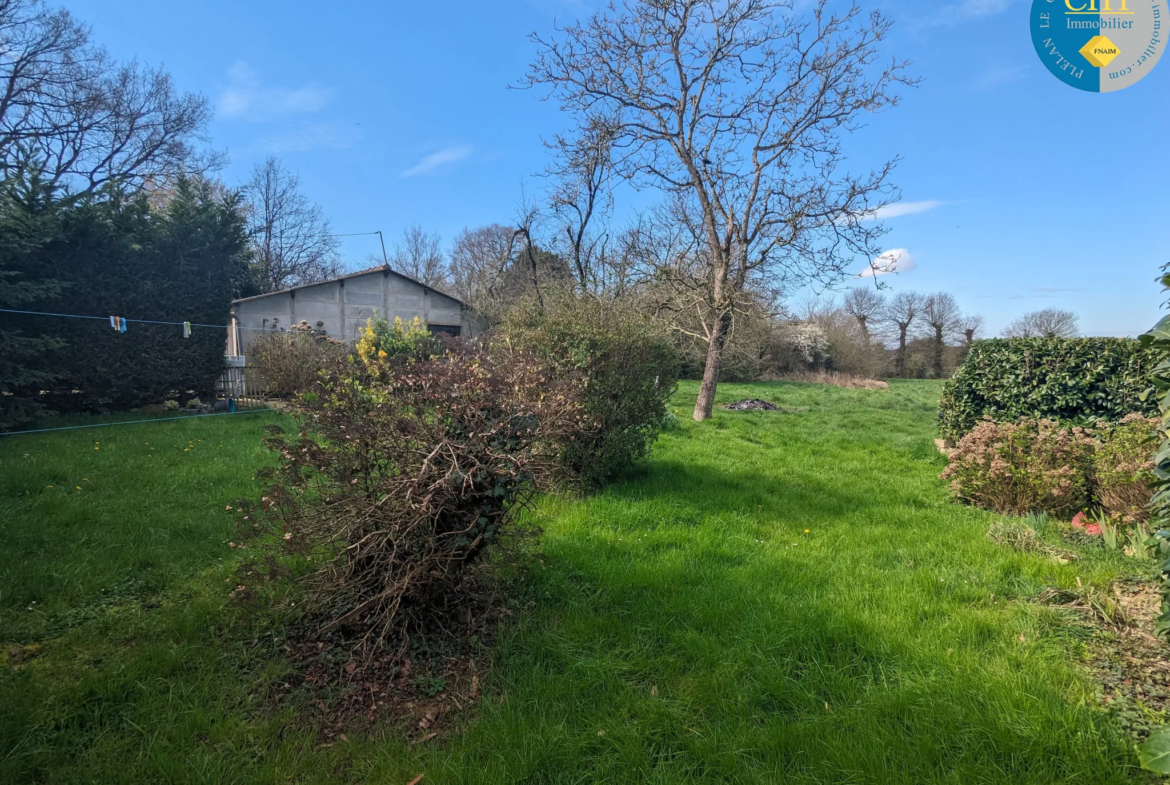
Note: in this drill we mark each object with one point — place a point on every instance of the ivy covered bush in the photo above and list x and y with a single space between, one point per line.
630 370
1070 380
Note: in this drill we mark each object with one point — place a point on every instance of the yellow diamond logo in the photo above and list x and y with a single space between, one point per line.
1100 51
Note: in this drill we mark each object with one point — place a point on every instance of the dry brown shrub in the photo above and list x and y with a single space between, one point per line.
1042 466
1123 468
288 361
400 480
1022 467
836 379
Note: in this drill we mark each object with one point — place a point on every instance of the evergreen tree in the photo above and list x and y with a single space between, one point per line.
30 213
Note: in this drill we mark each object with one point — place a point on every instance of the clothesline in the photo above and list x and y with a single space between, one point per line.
136 422
140 321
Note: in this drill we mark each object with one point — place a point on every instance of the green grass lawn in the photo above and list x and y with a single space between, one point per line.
774 597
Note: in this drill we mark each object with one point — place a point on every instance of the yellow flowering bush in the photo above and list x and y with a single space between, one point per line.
382 340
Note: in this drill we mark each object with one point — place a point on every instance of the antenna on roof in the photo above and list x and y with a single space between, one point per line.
381 239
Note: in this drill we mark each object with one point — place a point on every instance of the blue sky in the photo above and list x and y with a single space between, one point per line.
1020 192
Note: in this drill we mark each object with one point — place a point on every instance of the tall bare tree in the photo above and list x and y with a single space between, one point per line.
582 199
866 306
292 243
87 118
972 327
419 255
1046 323
942 317
901 311
480 261
736 107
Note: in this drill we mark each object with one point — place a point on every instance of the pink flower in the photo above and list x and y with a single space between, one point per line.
1078 521
1093 528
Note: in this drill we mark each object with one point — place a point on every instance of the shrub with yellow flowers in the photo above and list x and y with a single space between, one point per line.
382 340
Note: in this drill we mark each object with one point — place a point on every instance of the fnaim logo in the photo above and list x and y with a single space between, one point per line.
1099 48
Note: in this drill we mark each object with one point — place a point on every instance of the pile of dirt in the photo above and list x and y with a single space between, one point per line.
421 688
752 404
338 694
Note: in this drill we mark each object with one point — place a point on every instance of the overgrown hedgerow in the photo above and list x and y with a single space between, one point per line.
629 369
403 475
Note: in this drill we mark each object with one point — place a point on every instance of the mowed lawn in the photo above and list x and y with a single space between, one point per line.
775 597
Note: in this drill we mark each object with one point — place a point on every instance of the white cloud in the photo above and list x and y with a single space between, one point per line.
895 260
902 208
310 137
437 160
247 96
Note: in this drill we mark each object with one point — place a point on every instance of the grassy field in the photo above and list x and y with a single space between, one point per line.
775 597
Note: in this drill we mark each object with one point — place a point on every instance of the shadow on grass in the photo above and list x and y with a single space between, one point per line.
707 642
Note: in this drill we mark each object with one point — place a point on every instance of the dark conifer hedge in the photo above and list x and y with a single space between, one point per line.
116 255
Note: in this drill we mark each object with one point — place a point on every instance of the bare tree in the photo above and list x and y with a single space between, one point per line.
942 317
1046 323
902 310
480 260
292 243
419 255
582 197
866 305
86 118
972 327
736 107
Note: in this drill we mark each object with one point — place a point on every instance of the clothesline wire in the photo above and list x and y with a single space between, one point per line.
140 321
137 422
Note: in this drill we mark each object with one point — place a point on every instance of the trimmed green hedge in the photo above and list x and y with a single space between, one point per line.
1063 379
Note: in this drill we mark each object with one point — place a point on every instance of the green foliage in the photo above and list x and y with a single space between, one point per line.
30 218
1076 380
631 371
1157 342
1123 469
114 255
382 341
1154 752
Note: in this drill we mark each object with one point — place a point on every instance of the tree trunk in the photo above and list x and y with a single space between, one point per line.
900 363
939 343
706 400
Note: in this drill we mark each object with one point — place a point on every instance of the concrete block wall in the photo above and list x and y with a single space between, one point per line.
344 304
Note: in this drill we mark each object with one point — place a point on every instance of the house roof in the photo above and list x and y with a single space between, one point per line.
381 268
